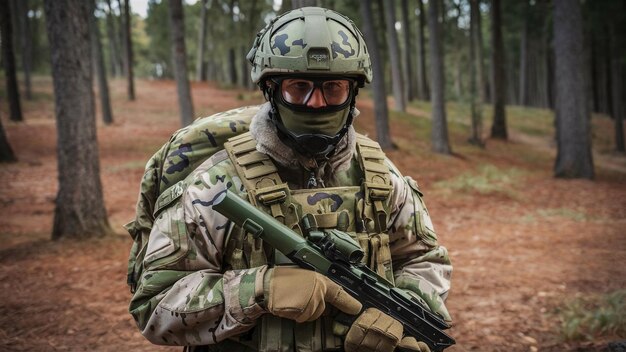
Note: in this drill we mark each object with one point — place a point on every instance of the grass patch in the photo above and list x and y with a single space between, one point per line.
565 213
487 179
422 126
587 318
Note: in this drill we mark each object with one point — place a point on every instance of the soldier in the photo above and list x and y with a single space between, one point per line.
207 286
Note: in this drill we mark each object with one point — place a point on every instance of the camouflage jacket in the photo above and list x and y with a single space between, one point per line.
188 296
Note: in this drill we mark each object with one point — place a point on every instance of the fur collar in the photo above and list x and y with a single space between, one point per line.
268 142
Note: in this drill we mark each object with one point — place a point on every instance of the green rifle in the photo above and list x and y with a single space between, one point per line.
334 254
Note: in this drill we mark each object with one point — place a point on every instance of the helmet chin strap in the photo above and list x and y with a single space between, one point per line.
317 146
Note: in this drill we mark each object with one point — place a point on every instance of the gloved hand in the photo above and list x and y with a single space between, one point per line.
409 344
301 295
375 331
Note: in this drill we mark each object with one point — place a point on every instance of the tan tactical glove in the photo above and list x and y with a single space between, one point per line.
375 331
409 344
301 295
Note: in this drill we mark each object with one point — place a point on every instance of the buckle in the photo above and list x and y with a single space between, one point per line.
272 194
377 191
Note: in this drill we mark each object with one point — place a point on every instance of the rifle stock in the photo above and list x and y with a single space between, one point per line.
327 257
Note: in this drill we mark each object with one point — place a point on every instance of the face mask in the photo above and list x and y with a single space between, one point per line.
300 123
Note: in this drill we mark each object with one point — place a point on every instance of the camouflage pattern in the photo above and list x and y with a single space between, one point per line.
184 152
188 295
310 40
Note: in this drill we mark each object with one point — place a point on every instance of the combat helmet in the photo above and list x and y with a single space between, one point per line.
317 44
310 40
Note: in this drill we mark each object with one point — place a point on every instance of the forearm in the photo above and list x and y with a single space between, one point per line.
421 265
203 307
428 276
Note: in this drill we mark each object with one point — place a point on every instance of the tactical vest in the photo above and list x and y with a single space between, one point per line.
361 210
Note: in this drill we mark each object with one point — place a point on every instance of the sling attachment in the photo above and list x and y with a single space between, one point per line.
376 186
378 194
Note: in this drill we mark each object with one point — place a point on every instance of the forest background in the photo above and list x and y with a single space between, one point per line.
508 113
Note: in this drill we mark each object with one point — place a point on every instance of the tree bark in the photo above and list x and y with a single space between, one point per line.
179 55
573 134
616 89
480 61
79 210
476 87
114 46
422 81
6 152
200 67
381 112
439 132
96 47
498 127
608 81
8 59
27 48
394 56
523 59
130 83
407 62
232 53
253 19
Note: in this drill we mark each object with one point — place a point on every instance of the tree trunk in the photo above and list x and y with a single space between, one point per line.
616 89
607 72
407 62
439 133
253 19
381 112
8 59
573 134
498 128
79 211
114 46
6 152
232 53
594 72
422 82
96 47
121 33
130 83
476 87
26 42
480 68
523 58
179 55
394 56
200 67
547 73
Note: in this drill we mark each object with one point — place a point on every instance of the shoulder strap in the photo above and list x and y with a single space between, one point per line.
376 182
265 188
258 174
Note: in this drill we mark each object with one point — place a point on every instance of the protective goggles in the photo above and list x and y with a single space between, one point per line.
314 93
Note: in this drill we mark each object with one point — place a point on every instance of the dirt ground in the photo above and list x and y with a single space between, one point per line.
518 253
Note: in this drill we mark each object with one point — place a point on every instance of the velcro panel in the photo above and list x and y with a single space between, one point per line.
251 158
373 154
366 142
376 167
244 147
258 171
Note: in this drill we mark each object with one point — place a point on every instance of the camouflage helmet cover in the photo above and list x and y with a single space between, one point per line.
310 40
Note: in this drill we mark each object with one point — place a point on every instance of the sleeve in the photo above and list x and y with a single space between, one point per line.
421 265
184 297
